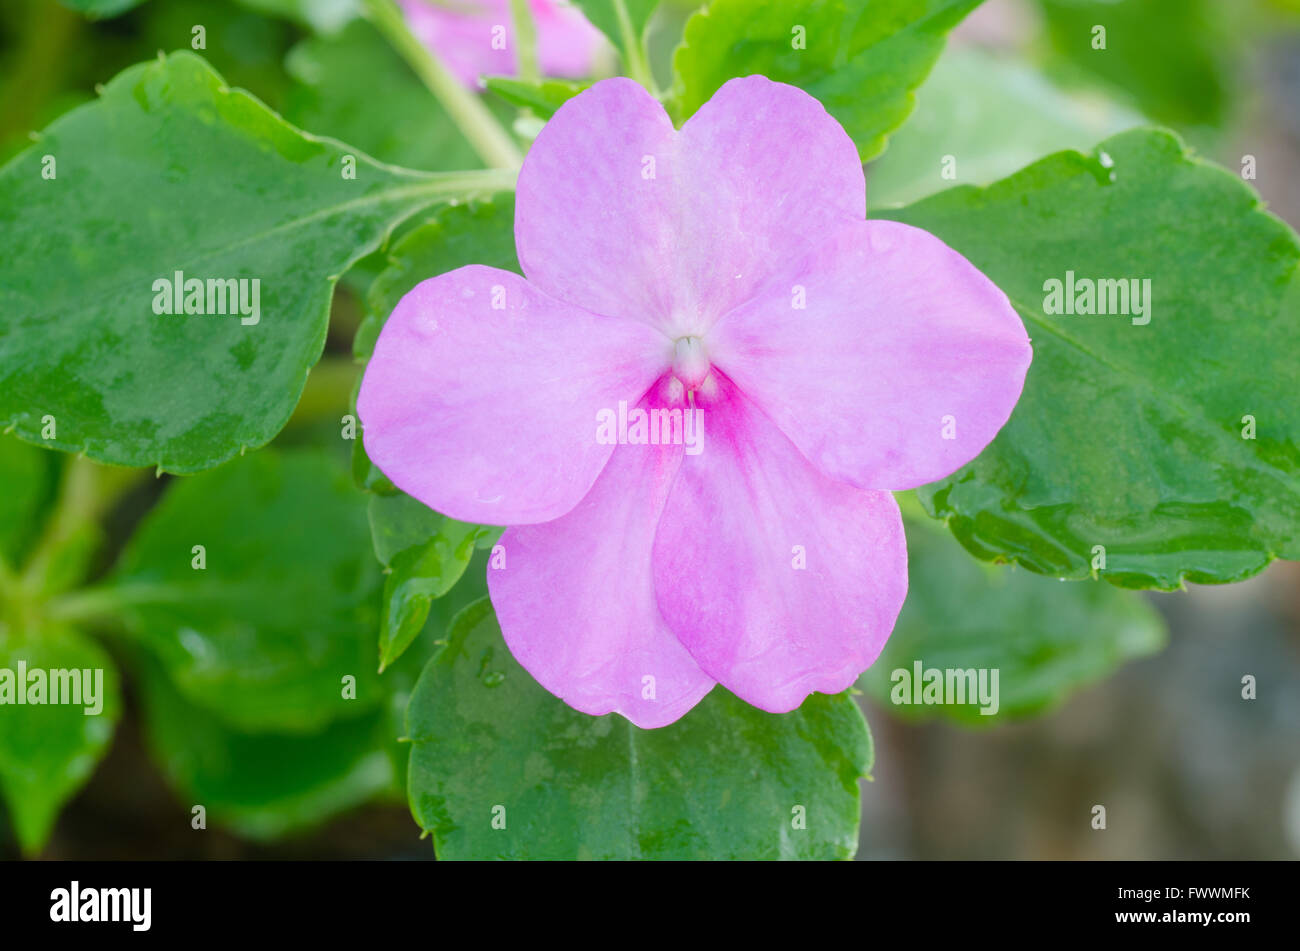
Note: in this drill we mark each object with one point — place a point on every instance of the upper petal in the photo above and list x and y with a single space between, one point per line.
594 216
621 214
885 355
575 598
481 398
771 172
778 580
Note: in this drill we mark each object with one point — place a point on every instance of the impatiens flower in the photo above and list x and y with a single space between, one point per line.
476 38
727 268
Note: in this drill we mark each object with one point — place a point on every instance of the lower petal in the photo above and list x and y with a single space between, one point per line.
778 580
576 602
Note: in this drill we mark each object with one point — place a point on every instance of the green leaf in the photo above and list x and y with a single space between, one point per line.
426 554
990 117
263 785
542 96
726 781
101 9
171 171
390 115
366 474
286 607
28 485
861 58
1045 638
1130 437
611 17
477 232
416 578
1173 59
398 523
48 751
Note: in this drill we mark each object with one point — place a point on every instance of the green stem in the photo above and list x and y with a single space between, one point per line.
106 603
493 144
483 182
87 490
12 600
634 58
525 40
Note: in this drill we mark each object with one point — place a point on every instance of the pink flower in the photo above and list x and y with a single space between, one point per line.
477 37
728 266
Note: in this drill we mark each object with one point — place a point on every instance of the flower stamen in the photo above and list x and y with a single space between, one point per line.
690 365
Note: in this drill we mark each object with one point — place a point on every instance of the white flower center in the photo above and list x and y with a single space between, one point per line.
690 365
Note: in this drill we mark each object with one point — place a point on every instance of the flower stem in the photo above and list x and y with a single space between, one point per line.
482 182
493 144
12 602
525 40
105 603
86 492
634 58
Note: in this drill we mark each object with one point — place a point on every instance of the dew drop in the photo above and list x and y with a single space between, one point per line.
1106 165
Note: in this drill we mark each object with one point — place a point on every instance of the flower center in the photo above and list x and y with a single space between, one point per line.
690 365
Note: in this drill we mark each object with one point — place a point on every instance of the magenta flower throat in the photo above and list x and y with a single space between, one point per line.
693 410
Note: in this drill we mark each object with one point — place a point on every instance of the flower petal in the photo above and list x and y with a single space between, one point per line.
770 173
576 598
590 227
462 40
901 365
778 580
481 398
567 43
475 40
620 214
